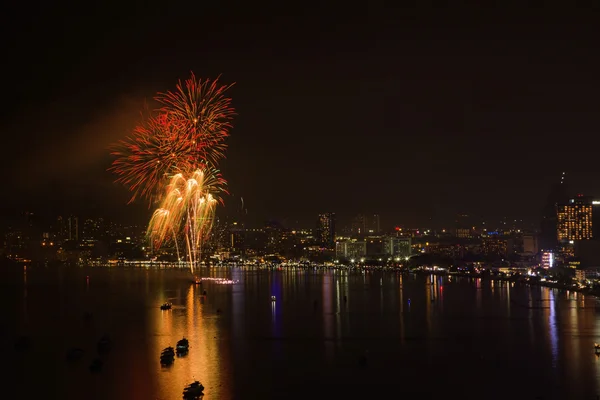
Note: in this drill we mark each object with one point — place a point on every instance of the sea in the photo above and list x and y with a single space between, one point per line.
293 334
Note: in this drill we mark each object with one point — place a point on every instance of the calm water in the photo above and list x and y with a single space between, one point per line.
455 337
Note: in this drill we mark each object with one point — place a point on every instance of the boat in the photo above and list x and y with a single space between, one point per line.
167 358
166 306
182 346
193 391
198 281
104 344
96 365
596 346
273 298
168 350
74 354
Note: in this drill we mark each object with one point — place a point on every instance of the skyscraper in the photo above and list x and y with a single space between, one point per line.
73 228
574 220
326 229
548 227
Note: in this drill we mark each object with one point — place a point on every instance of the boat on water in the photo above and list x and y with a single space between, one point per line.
182 346
596 346
193 391
198 281
167 358
166 306
273 298
74 354
96 365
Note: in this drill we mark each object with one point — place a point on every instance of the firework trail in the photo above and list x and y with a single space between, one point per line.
187 209
189 130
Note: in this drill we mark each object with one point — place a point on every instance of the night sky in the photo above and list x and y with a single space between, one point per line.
415 114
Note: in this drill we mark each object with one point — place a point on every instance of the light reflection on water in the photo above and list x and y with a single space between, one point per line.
256 347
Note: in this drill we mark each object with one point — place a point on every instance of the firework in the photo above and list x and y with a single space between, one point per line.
202 110
187 210
189 130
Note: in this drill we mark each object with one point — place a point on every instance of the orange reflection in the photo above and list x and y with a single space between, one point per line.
199 325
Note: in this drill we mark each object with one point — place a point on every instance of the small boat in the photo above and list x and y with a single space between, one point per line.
193 390
198 281
596 346
182 346
96 365
273 298
168 350
74 354
167 358
104 344
166 306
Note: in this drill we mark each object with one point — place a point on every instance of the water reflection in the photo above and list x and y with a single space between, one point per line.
533 329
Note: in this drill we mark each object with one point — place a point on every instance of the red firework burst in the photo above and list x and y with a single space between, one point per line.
189 130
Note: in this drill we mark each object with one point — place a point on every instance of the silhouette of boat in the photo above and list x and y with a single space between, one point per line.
193 390
182 346
166 306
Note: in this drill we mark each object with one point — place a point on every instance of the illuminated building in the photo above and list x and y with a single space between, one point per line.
351 249
397 246
547 259
326 230
497 246
464 226
574 220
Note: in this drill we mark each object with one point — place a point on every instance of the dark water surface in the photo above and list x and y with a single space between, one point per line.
459 337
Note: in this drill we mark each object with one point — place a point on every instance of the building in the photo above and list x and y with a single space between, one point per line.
365 224
326 230
574 220
530 244
398 247
464 226
351 249
549 223
493 246
547 259
372 224
73 229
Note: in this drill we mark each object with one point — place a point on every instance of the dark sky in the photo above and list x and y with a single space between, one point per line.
415 113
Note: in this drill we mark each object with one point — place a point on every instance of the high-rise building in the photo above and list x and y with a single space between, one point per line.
372 226
366 224
73 228
398 246
358 225
326 229
530 244
351 249
548 226
574 219
464 226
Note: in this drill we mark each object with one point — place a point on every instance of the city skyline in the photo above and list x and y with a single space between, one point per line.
412 129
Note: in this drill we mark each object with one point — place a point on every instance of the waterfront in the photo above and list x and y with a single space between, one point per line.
456 336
